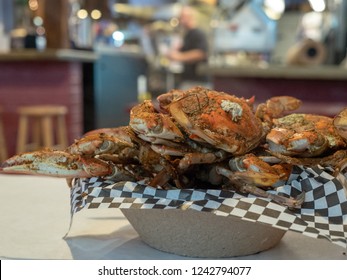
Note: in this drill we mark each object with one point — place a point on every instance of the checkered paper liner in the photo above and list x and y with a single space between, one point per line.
322 215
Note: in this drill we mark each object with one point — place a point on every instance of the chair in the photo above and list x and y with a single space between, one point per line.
3 146
48 127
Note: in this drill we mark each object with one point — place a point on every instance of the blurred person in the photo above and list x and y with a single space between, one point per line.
193 51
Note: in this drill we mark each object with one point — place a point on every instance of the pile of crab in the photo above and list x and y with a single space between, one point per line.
203 138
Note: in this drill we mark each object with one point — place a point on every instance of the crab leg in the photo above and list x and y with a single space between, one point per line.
287 201
199 158
240 184
332 160
56 164
254 170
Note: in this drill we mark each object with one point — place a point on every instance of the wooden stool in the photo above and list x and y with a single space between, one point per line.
3 146
44 133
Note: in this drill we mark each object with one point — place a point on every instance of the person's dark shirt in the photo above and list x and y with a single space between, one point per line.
194 39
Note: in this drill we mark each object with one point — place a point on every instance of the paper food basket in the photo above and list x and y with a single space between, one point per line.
223 223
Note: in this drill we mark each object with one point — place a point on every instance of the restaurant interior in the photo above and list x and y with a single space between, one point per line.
73 66
105 48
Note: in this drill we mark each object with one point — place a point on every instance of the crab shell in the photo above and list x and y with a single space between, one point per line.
222 120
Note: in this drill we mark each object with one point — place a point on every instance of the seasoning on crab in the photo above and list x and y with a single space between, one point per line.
233 108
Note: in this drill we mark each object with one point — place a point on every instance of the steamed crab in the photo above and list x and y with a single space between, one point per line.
307 139
164 141
204 127
304 135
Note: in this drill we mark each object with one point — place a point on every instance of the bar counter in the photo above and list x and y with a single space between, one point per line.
280 72
49 55
323 89
54 77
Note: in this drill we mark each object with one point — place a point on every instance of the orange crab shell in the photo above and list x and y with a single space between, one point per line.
222 120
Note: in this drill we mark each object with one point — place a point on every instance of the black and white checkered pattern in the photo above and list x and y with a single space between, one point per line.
322 215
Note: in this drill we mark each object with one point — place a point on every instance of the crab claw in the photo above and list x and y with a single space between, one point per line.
276 106
251 169
56 164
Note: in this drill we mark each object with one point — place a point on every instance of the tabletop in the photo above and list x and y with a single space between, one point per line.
36 223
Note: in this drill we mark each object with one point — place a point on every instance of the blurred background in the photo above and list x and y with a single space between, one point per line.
99 58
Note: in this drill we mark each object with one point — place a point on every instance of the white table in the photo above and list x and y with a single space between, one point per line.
35 216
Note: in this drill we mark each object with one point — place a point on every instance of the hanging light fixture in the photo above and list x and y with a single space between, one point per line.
274 8
317 5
